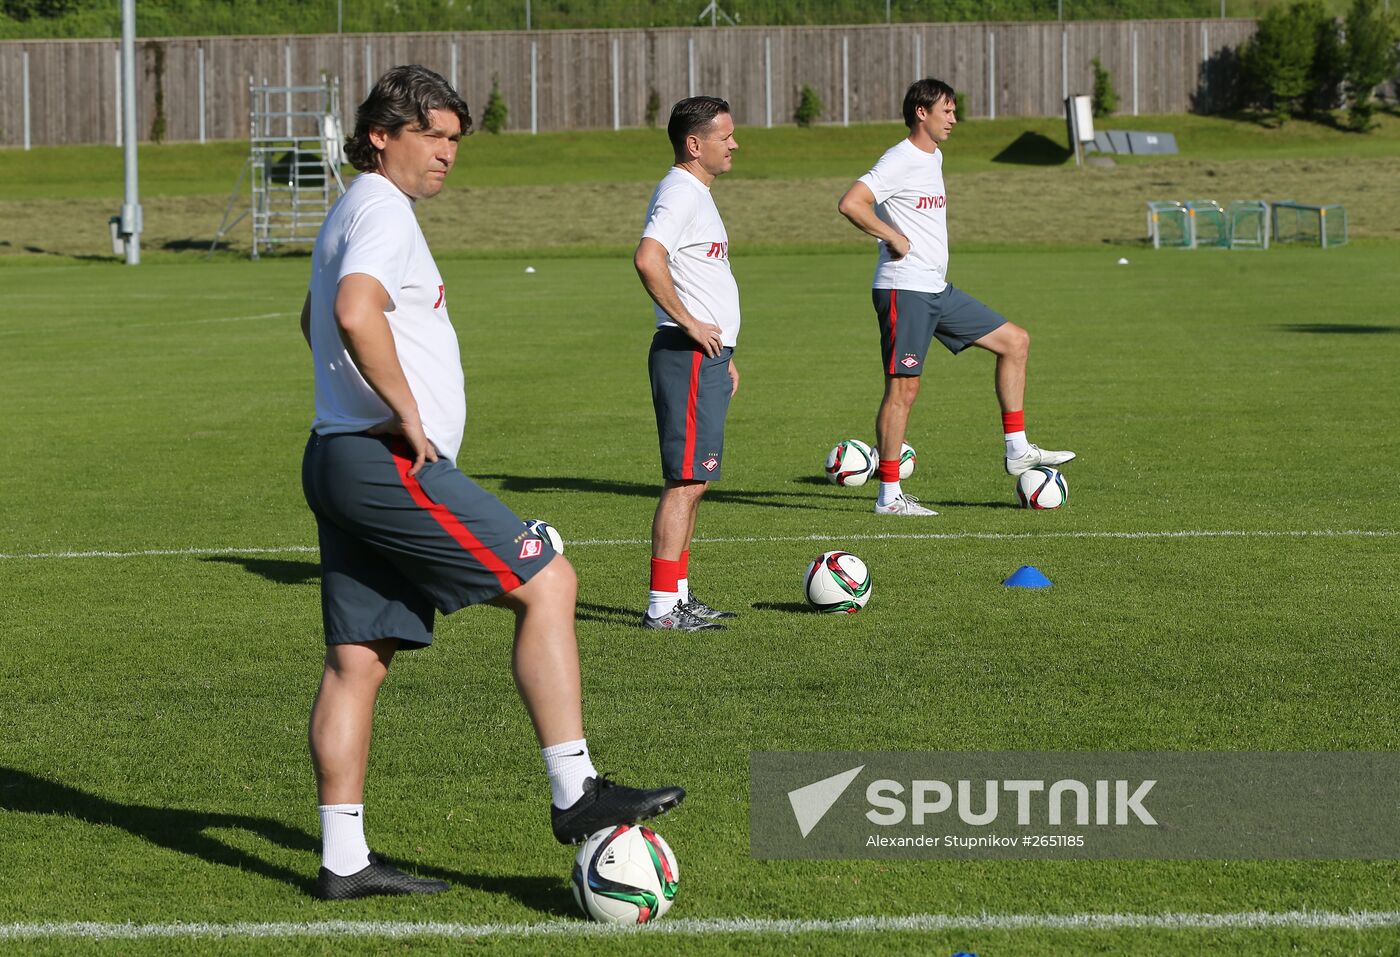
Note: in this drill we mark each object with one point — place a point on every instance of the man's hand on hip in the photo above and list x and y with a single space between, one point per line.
708 336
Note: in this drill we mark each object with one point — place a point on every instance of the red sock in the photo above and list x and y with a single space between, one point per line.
684 563
889 470
665 574
1013 421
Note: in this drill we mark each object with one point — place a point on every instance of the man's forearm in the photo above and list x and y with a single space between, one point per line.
661 288
367 337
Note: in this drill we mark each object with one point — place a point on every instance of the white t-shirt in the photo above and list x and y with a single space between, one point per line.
908 188
682 217
372 230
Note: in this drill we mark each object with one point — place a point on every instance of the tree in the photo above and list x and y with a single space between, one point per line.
1371 59
493 120
1329 68
36 9
1278 59
809 107
1105 99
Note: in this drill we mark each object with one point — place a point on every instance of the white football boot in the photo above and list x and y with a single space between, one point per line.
904 505
1036 456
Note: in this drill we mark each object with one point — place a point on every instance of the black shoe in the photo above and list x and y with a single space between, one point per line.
605 804
680 618
701 610
377 878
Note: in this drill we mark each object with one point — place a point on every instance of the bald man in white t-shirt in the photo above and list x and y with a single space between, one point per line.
683 262
903 204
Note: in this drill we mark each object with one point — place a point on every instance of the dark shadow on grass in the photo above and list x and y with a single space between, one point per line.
1034 149
548 895
85 257
174 829
607 614
785 606
193 245
274 569
956 504
184 831
525 483
1338 328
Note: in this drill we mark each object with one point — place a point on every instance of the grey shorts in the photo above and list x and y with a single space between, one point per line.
690 393
394 547
909 321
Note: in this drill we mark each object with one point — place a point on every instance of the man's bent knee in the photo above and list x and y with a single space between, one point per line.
1008 340
901 388
556 581
688 489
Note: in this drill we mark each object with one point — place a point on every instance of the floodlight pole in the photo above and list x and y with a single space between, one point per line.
130 228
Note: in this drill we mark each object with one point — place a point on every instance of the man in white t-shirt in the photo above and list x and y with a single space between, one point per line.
403 533
683 262
902 203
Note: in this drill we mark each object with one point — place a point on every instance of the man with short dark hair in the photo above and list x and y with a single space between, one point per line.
902 203
402 531
683 262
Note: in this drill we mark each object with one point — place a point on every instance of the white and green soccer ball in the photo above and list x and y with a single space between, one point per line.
837 583
542 529
625 875
907 459
850 463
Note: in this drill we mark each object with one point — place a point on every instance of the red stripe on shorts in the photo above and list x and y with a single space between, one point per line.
688 463
894 324
453 525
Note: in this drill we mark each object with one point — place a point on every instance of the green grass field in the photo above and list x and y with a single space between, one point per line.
152 757
1224 573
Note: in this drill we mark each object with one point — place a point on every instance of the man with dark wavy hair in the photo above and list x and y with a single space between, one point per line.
902 203
403 533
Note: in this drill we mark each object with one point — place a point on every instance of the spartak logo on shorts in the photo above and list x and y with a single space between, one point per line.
909 362
531 548
710 464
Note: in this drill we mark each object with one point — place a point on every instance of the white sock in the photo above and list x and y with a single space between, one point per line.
568 766
1016 444
683 589
343 847
889 491
661 602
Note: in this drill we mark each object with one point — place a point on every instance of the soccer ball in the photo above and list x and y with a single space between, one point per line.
625 875
837 582
542 529
1042 487
850 463
907 459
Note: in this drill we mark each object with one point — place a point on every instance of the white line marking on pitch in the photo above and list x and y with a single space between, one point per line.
1248 920
815 537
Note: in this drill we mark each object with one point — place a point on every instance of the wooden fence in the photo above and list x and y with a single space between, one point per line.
190 88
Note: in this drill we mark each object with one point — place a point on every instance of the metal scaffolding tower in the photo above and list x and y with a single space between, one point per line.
295 151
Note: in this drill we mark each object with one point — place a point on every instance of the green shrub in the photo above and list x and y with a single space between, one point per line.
493 120
653 107
1105 98
809 107
1371 59
960 106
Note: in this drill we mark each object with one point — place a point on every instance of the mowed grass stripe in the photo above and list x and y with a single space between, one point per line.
1246 920
753 540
